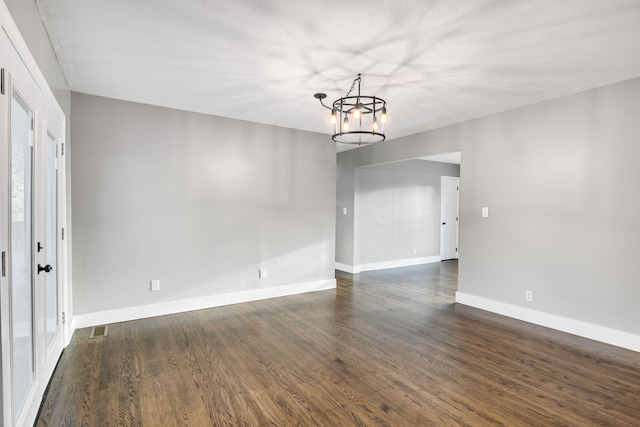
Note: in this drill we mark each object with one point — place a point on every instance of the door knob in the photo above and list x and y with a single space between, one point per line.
444 223
47 268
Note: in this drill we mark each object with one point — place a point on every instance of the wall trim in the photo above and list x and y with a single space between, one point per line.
387 264
348 268
86 320
564 324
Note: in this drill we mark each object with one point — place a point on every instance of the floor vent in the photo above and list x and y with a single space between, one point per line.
99 331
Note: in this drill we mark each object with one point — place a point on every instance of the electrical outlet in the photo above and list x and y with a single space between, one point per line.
262 273
528 295
415 251
155 285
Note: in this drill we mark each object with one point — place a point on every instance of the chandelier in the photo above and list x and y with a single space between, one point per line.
357 119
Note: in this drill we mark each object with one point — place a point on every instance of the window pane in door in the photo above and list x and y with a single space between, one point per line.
21 253
50 252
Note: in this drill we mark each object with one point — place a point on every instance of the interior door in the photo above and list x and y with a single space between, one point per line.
31 129
449 215
49 267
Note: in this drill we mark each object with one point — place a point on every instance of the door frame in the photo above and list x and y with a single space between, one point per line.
49 118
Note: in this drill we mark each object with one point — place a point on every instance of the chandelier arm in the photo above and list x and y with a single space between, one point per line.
325 106
320 96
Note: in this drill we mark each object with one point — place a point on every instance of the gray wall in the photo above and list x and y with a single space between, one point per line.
563 185
398 210
345 198
198 202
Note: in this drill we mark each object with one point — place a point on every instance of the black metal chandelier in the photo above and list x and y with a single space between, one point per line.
357 119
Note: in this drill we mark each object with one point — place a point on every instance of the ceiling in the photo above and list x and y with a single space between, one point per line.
435 62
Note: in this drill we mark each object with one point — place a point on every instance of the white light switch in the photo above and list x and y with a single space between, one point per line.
155 285
344 211
262 273
485 212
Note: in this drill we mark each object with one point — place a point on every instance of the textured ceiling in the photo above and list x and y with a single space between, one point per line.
435 62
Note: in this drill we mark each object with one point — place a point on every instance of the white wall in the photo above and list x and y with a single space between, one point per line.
198 202
563 185
397 210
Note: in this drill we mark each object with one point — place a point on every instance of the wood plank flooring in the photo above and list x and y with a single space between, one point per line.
386 348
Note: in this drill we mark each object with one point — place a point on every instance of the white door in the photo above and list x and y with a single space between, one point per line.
20 250
449 216
31 128
48 266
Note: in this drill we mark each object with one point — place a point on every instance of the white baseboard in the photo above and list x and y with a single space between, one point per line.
348 268
399 263
86 320
387 264
571 326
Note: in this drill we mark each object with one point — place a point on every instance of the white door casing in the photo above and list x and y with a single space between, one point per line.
30 314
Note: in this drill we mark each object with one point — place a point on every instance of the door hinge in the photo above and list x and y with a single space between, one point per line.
4 268
457 188
62 234
2 81
62 148
456 249
64 317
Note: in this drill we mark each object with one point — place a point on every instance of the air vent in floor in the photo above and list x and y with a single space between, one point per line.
99 331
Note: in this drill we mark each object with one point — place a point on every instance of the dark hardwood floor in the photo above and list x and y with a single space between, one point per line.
386 348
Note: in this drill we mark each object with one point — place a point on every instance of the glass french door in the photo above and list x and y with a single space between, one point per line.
31 187
20 252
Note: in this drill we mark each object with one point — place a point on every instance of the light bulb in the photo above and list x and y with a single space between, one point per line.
345 124
356 110
374 126
333 119
383 116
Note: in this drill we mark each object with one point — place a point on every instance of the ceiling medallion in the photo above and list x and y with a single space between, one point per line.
357 119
